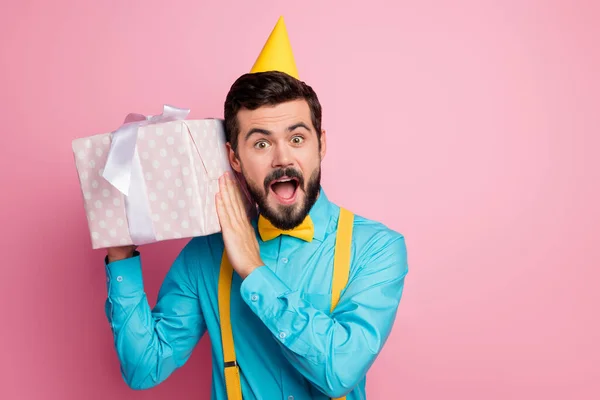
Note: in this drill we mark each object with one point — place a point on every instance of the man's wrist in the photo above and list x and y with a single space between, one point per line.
253 267
120 253
111 257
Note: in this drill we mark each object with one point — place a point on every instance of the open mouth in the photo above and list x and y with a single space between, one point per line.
285 189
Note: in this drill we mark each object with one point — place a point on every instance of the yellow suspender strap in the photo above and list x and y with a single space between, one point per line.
341 258
341 272
232 371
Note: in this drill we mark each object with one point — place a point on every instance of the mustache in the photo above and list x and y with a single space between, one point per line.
278 173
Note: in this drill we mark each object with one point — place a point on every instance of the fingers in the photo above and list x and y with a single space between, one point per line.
221 212
237 192
225 197
231 200
227 217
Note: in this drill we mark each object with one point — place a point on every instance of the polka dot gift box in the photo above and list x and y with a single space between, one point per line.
155 178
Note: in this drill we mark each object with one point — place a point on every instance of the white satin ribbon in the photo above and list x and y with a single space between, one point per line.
123 170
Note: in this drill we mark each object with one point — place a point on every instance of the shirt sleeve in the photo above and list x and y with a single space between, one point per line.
334 351
152 343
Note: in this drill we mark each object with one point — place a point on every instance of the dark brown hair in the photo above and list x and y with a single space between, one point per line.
255 90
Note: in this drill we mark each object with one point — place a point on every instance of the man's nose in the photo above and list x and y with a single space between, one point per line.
282 157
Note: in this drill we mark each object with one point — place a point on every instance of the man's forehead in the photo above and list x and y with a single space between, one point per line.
282 114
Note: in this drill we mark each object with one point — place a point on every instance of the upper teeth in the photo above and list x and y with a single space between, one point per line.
284 180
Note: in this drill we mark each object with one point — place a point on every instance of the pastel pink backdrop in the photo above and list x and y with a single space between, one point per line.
471 127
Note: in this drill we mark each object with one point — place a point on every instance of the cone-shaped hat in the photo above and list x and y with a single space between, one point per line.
276 54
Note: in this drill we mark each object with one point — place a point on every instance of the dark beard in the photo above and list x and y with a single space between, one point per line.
286 217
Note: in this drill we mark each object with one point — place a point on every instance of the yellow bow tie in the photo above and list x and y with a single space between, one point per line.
304 231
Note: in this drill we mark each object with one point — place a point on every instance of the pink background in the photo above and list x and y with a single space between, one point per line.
470 126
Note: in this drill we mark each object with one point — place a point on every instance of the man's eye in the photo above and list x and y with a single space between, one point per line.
261 145
297 139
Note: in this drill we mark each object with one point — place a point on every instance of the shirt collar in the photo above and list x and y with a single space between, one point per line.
320 213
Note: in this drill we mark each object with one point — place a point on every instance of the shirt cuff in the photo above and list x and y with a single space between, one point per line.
262 290
277 307
124 277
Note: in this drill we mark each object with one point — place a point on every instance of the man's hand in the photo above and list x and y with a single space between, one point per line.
238 234
120 253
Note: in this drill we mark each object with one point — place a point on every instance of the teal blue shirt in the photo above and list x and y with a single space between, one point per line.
288 344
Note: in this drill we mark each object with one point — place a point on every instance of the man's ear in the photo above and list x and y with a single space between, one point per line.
323 143
234 161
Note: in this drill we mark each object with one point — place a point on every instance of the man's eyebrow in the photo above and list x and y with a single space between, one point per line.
298 125
257 130
267 132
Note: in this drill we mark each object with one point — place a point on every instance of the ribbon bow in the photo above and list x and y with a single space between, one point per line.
121 163
304 231
123 170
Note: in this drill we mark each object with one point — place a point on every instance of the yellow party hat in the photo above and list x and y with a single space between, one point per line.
276 54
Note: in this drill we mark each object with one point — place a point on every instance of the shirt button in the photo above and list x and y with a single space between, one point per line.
119 278
254 297
290 397
282 335
284 260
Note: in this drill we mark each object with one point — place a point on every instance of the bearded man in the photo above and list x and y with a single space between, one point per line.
298 301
